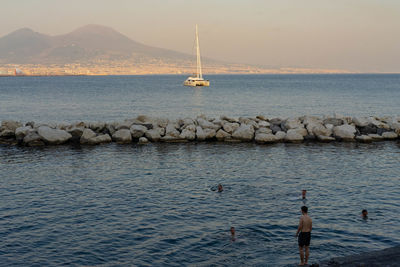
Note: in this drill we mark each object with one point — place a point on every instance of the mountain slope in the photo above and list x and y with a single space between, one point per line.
87 44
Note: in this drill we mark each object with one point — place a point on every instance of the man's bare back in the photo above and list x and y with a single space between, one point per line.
305 223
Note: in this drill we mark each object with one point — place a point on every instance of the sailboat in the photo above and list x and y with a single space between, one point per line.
198 79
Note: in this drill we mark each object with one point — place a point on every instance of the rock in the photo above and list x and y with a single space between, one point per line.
293 136
206 124
364 138
368 129
10 125
97 126
360 121
264 131
171 130
143 140
376 137
275 121
101 139
137 131
263 124
262 118
53 136
244 133
110 127
6 133
265 138
333 121
378 124
291 124
123 125
344 132
275 128
324 138
200 134
230 119
280 135
21 132
33 139
222 135
380 131
395 126
188 134
329 127
230 127
318 129
311 120
302 131
122 136
86 135
76 132
153 135
389 135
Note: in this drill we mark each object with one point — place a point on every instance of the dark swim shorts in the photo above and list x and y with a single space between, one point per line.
304 239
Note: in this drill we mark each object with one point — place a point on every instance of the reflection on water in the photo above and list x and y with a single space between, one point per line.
152 205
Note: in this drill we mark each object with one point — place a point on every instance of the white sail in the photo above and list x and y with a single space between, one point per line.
198 80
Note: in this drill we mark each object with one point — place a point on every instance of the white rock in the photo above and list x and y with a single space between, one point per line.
53 136
33 139
263 130
301 131
21 132
123 125
171 130
364 138
230 127
311 120
293 135
10 125
360 121
187 134
122 136
86 135
101 139
389 135
318 129
265 138
324 138
137 131
376 137
344 132
200 134
291 123
222 135
97 126
244 133
153 135
210 133
6 133
378 123
143 140
263 124
230 119
280 135
206 124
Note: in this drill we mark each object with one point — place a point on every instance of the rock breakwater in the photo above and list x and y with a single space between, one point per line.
259 129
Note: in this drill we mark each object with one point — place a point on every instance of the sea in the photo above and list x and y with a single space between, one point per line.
156 204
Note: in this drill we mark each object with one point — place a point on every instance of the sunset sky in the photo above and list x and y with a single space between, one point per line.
355 35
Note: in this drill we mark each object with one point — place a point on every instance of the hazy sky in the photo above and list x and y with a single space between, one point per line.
357 35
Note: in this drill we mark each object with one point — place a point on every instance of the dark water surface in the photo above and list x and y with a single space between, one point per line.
119 97
152 205
136 205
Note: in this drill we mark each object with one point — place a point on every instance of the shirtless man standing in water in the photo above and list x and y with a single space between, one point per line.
305 227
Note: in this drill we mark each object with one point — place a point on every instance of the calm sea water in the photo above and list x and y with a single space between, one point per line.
153 205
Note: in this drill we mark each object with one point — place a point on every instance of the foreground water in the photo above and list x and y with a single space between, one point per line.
152 205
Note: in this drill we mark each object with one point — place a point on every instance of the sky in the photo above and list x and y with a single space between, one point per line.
354 35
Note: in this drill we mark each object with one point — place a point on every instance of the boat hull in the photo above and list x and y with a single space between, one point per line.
194 83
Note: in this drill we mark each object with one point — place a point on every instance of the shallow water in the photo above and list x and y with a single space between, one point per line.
152 205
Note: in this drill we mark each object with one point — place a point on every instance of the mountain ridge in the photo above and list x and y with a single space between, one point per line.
91 42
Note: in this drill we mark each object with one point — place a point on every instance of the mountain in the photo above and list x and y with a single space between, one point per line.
91 43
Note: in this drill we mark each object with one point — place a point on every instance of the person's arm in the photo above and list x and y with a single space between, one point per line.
300 226
311 226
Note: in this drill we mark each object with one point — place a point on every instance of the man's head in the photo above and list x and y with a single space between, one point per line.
364 213
303 193
232 230
220 188
304 210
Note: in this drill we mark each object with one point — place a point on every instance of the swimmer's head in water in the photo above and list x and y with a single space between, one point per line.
364 213
232 230
220 188
303 193
304 209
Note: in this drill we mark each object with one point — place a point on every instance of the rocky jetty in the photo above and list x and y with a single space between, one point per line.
259 129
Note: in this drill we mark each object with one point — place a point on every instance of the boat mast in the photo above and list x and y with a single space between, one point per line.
199 73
